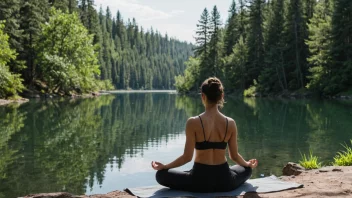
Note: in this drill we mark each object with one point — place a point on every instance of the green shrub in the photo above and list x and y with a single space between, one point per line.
10 84
251 90
344 158
310 162
104 85
66 56
186 82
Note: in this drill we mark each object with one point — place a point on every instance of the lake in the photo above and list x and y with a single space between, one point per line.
98 145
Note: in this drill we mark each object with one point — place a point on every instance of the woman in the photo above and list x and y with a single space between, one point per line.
208 133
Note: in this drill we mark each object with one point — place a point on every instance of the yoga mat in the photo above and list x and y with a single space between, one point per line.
260 185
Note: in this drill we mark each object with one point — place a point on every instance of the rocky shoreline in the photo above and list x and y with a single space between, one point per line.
330 181
49 96
18 101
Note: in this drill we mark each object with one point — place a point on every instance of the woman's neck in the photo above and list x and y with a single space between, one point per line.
213 109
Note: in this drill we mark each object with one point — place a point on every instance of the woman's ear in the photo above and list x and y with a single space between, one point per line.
203 97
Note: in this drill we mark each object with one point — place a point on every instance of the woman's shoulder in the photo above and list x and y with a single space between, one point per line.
230 120
227 117
192 119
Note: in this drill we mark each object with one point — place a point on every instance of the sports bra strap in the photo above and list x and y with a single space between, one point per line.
227 123
202 127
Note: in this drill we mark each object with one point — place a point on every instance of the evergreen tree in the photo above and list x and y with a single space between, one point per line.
33 14
340 72
214 44
83 7
235 75
203 34
242 19
9 12
296 51
231 32
273 75
319 43
64 5
255 41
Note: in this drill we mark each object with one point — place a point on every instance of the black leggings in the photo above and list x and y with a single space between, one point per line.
205 178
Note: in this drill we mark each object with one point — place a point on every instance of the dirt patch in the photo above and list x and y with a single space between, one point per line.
333 181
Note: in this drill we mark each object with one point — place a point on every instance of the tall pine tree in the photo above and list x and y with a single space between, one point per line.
319 43
255 41
341 48
273 75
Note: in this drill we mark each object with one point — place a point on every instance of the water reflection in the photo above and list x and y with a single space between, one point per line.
106 143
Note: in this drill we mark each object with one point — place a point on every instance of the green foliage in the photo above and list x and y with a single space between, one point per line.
339 76
127 55
283 44
231 32
251 90
272 77
212 66
104 85
33 14
310 161
234 67
319 43
344 158
203 34
255 42
188 82
10 84
9 10
67 59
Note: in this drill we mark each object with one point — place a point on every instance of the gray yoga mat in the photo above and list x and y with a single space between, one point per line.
260 185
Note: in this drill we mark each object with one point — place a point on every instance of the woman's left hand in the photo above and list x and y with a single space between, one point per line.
158 165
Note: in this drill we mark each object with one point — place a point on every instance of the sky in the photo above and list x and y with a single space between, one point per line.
177 18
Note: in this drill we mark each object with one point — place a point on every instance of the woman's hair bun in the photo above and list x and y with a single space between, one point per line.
213 89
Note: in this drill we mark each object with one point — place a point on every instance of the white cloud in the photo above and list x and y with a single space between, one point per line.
140 11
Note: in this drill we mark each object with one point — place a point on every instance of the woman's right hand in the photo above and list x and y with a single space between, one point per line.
252 163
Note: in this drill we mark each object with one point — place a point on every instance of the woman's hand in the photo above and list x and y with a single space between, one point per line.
158 165
252 163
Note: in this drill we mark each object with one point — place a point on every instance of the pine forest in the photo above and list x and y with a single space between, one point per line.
274 46
67 47
264 47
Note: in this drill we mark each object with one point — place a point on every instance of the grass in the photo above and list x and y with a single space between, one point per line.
344 158
310 161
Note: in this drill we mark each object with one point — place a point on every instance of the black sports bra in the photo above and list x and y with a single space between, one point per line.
211 145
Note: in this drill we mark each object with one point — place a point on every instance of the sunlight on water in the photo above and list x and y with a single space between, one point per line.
136 171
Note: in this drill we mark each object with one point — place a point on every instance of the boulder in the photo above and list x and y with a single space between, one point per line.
292 169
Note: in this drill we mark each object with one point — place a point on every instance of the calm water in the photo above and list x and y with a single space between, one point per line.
90 146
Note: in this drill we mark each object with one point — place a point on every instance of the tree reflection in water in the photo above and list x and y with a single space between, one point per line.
66 145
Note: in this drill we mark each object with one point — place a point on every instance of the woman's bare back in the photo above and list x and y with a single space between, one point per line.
215 127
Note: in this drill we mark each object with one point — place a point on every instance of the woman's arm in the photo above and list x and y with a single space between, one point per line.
233 148
187 153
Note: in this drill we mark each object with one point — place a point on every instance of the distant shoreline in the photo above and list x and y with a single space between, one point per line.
140 91
4 102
